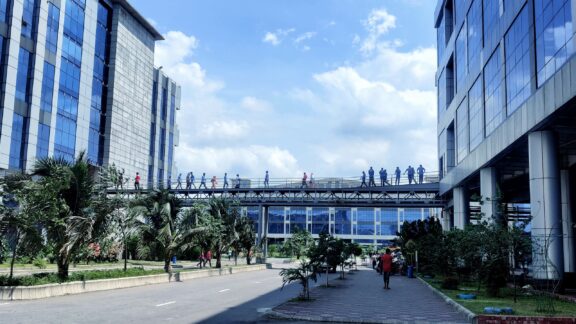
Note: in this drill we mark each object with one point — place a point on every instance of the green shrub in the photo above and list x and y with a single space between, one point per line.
50 278
40 263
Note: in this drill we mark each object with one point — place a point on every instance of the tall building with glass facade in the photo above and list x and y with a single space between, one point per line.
78 75
366 226
506 84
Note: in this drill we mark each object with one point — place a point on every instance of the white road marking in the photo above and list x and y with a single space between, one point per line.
223 290
168 303
257 281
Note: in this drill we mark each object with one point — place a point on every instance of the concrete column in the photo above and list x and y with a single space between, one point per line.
547 243
446 221
265 231
489 193
567 224
461 207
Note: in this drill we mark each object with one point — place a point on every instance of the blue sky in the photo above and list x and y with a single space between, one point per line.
325 86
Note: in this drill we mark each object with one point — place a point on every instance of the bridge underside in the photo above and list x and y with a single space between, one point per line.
416 196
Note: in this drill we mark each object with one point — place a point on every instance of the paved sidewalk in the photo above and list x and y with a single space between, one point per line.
360 298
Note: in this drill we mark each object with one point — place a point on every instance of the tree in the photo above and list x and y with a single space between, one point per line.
299 243
164 228
62 200
327 253
246 239
303 274
225 214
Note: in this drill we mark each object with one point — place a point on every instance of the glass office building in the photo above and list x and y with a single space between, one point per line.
78 75
367 226
506 83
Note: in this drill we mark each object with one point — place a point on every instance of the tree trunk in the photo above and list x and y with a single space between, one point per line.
248 258
167 266
14 251
218 259
125 254
235 258
63 265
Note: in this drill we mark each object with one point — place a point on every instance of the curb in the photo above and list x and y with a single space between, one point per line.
471 316
11 293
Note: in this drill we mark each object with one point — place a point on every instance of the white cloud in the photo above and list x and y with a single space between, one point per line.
379 23
255 104
276 37
304 36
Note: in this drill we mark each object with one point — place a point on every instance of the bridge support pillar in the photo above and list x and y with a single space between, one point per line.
547 242
490 195
567 223
461 207
447 222
263 229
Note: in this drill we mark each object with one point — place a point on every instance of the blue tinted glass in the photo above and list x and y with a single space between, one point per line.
170 149
53 26
440 40
150 175
475 113
389 221
162 143
474 23
365 229
152 138
320 218
441 94
462 130
493 102
17 142
172 110
297 219
161 176
412 214
164 103
461 66
276 220
553 27
154 98
343 221
22 76
74 22
65 139
491 22
366 215
517 48
4 6
47 87
43 141
461 8
28 19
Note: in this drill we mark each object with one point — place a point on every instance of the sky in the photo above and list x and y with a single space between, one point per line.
291 86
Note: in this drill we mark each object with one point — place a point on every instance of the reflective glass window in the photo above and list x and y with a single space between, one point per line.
491 21
475 114
461 66
320 217
65 138
365 221
74 21
493 101
164 104
517 48
170 149
53 26
441 93
440 40
460 9
474 24
553 28
343 221
297 218
28 19
17 142
462 130
253 213
162 143
412 214
43 141
22 75
389 221
154 98
172 110
160 177
4 7
47 87
152 139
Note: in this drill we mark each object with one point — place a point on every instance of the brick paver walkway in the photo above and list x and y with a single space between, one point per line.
361 298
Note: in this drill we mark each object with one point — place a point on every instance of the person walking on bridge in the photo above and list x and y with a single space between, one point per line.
225 185
203 181
192 178
188 183
214 182
397 173
266 180
371 182
304 179
410 172
237 185
421 171
179 181
363 178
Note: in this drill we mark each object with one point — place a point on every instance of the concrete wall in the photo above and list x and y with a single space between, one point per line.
78 287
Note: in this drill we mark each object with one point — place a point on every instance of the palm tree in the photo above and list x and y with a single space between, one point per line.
64 204
163 226
225 213
246 238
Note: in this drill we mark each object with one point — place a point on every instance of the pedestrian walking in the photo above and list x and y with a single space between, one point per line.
200 260
421 171
179 181
208 259
121 179
363 184
311 181
237 185
203 181
397 173
214 182
225 181
304 181
137 181
188 183
386 262
410 172
266 180
192 178
371 182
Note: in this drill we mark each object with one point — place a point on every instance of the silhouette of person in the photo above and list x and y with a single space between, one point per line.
237 186
188 183
137 181
304 179
192 180
179 181
121 179
203 181
397 172
385 176
311 181
169 182
225 180
214 182
382 181
371 182
421 171
363 184
266 180
410 172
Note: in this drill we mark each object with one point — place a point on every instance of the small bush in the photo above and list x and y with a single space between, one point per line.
50 278
450 283
40 263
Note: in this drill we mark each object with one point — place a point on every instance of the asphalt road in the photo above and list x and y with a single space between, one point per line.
239 298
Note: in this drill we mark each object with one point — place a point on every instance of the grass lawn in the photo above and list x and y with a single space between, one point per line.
525 305
50 278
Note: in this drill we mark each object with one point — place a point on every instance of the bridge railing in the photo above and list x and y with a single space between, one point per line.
289 183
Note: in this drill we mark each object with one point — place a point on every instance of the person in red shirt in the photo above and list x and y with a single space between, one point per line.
137 181
386 261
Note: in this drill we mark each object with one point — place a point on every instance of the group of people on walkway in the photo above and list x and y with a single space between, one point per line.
410 171
205 257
